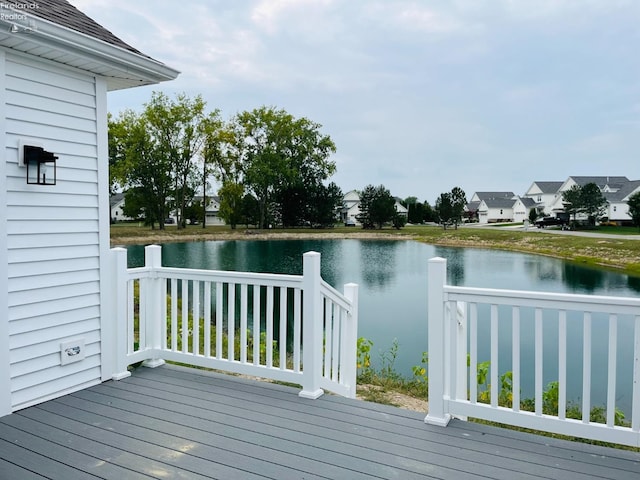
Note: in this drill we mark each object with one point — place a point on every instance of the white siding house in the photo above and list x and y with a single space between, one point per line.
521 208
610 184
495 210
544 194
351 208
54 239
618 208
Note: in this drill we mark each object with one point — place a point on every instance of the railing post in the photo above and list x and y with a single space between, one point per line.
351 341
437 277
119 280
153 300
312 326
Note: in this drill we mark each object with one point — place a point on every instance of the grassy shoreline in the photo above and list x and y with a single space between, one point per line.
620 254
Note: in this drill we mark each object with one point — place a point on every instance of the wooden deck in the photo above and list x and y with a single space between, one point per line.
178 423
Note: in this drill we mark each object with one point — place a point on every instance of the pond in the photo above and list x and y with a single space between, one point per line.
393 283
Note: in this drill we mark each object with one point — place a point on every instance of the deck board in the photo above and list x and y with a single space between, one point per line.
174 422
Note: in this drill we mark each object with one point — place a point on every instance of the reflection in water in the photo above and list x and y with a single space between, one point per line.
543 269
581 279
455 263
634 283
378 264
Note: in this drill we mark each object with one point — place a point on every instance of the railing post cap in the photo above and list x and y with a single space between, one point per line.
437 260
311 254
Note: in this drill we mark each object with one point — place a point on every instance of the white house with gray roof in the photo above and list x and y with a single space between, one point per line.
544 194
56 66
608 184
618 207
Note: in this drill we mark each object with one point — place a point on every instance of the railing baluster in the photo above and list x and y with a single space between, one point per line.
328 339
164 313
282 337
538 361
611 374
562 364
244 307
452 339
494 356
335 348
297 328
231 321
515 359
174 314
219 319
131 315
195 313
256 324
269 325
586 369
473 352
185 316
343 320
207 319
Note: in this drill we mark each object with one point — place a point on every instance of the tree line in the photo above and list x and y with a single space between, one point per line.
272 168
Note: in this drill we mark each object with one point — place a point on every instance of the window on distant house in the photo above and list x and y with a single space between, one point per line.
614 208
500 211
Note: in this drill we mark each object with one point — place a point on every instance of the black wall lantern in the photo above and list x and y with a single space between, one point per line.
41 165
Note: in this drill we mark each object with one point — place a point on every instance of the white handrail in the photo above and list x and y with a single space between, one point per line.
449 336
206 318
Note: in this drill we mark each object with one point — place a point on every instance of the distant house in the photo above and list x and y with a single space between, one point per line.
544 194
491 207
212 210
618 207
495 210
57 66
116 204
521 208
351 208
606 184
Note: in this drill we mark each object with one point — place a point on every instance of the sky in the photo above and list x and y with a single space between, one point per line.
420 96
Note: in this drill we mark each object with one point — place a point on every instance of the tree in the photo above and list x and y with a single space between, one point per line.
156 152
458 203
178 128
571 200
325 204
377 207
592 202
138 164
278 153
634 208
231 203
216 139
444 209
533 215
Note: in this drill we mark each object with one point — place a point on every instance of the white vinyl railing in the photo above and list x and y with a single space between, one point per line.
464 321
290 328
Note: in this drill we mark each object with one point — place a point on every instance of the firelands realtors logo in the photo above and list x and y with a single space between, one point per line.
18 10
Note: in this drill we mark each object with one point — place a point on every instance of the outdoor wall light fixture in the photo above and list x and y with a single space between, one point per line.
41 165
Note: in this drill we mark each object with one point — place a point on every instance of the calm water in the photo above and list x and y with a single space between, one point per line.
393 282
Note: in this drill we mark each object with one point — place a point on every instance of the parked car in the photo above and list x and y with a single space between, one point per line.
550 221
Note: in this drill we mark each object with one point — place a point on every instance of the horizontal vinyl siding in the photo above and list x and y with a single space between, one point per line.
52 231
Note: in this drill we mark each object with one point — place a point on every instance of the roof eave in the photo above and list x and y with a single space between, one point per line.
125 68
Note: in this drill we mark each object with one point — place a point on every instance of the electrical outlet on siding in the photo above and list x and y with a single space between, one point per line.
72 351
